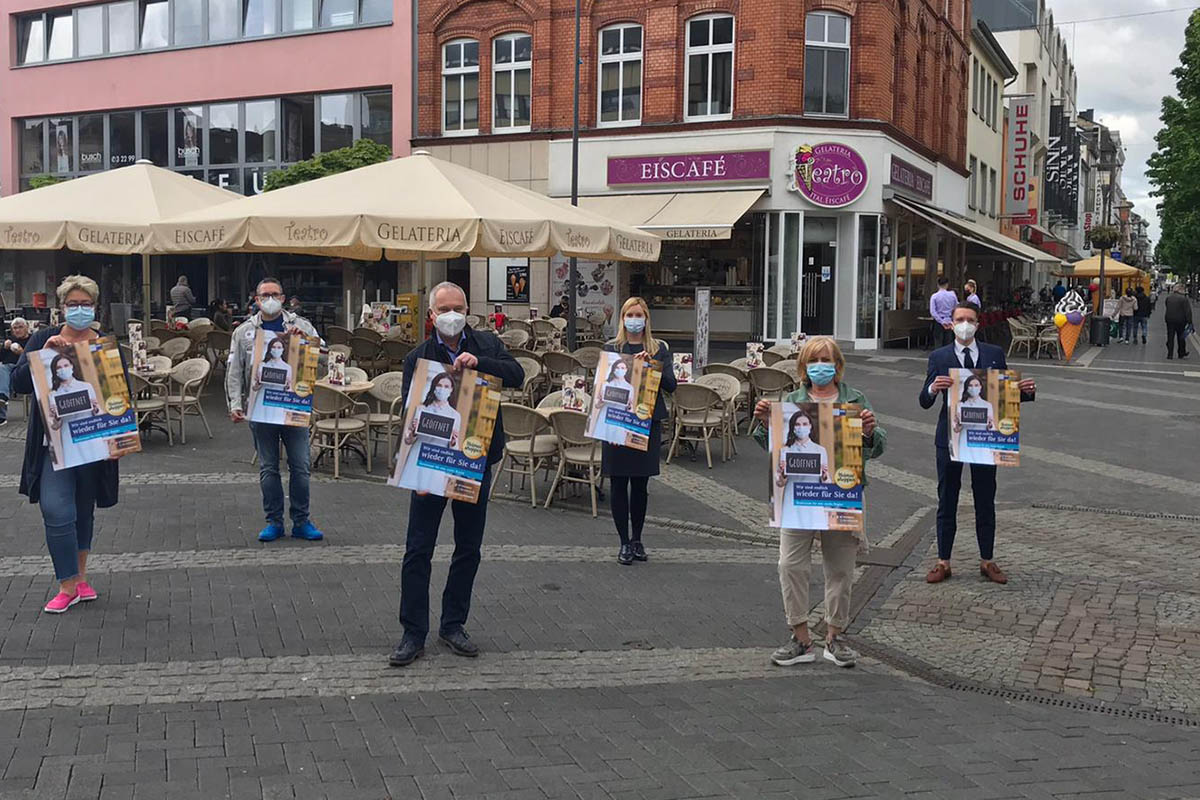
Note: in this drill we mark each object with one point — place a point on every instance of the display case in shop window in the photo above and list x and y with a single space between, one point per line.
669 286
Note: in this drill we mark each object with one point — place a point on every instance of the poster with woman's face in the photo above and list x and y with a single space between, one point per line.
623 398
984 415
816 466
447 431
282 377
85 403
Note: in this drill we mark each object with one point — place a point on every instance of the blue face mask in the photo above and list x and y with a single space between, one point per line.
80 317
820 373
635 324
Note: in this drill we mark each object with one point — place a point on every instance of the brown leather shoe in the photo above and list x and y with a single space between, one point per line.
938 574
993 573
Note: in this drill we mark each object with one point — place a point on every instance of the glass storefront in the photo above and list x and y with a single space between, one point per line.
231 144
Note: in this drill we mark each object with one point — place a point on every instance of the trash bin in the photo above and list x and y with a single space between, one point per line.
1099 332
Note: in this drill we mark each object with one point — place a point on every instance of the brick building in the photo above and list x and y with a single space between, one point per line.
765 141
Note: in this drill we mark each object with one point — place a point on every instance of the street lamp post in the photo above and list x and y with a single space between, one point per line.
573 277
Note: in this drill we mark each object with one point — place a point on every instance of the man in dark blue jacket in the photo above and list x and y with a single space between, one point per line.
963 353
463 348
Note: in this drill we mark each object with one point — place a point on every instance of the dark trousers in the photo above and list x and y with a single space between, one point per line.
1175 332
629 498
939 336
983 486
424 517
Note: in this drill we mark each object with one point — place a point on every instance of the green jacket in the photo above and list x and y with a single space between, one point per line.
846 394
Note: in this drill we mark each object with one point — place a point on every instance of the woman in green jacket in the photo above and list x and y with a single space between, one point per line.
820 367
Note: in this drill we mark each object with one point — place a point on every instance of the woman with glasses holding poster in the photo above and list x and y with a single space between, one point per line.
68 498
820 367
629 470
65 383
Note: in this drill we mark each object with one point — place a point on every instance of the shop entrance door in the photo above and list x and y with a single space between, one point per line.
819 268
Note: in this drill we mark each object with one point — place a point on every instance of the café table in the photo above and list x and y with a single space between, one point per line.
352 389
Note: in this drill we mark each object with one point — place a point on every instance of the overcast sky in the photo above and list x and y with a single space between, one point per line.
1124 68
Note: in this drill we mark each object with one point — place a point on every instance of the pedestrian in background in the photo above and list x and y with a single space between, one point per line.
972 297
629 470
68 498
965 353
455 343
182 298
1141 314
14 345
268 437
820 368
941 305
1177 310
1060 291
1126 306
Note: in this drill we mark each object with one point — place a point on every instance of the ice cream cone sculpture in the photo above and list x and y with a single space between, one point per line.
1068 318
805 160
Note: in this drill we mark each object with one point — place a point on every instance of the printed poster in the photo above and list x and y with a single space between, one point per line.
337 368
138 350
798 340
816 466
984 414
85 403
596 295
282 377
448 424
682 366
703 302
623 399
574 393
754 355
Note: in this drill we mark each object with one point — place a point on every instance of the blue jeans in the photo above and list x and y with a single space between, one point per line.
1140 324
295 441
5 386
68 504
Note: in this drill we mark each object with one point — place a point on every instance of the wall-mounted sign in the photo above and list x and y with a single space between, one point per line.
1018 163
906 176
828 174
741 165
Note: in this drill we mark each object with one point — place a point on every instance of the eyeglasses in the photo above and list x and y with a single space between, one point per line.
271 295
81 305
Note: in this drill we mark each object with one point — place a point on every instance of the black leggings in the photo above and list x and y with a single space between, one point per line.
629 498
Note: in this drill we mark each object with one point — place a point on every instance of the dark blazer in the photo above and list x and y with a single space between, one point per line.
494 359
106 473
665 363
944 359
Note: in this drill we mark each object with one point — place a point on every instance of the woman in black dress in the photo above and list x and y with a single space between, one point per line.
629 470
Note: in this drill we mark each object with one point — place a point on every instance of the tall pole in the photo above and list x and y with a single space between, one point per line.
573 277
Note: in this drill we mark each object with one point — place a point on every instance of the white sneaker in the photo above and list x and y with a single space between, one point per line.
841 655
793 652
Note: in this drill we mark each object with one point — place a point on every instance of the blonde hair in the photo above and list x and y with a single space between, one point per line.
971 285
649 343
814 347
81 282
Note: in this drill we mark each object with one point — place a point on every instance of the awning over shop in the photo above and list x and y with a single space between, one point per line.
976 233
685 215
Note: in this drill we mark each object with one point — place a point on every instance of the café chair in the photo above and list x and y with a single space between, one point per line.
335 334
729 389
149 405
579 457
700 409
386 419
185 390
529 445
333 427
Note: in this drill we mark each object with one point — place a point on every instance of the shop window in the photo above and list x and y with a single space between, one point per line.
91 143
621 75
297 15
89 21
62 37
375 113
375 11
299 128
337 13
189 124
229 179
223 134
868 276
512 63
260 131
971 182
224 20
122 26
122 139
155 31
33 146
460 87
31 40
827 64
337 122
62 145
992 194
259 19
154 137
709 68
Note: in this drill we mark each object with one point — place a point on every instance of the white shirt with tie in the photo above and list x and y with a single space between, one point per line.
959 349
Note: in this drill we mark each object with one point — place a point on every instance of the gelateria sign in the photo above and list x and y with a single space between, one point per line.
828 174
739 165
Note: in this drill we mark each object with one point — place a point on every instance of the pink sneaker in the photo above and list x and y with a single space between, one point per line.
61 602
85 592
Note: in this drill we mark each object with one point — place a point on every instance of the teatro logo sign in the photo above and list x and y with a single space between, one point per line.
828 174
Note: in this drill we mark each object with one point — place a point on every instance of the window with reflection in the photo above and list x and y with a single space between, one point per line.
337 13
223 133
62 145
260 131
33 146
91 142
260 18
709 67
189 22
299 119
460 86
375 115
512 62
297 15
90 22
122 26
154 137
224 20
337 121
31 40
827 64
154 22
62 37
620 74
122 138
229 179
375 11
189 127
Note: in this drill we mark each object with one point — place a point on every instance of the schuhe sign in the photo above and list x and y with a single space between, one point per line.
742 165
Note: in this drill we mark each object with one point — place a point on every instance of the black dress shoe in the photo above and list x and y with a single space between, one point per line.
460 643
639 552
625 555
408 651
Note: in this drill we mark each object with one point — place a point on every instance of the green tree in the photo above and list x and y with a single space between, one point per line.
38 181
360 154
1174 167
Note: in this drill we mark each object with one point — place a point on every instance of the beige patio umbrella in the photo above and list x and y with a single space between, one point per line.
405 209
109 212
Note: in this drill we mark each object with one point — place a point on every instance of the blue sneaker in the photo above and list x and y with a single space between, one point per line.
306 530
271 532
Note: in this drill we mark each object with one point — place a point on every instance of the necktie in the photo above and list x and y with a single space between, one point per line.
968 362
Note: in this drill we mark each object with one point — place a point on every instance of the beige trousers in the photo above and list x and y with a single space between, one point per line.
838 550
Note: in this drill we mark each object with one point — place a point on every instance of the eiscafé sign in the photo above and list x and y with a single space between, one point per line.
740 165
1018 162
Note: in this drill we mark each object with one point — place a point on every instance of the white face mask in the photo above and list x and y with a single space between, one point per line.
276 352
270 306
973 391
450 323
65 373
803 430
442 393
965 331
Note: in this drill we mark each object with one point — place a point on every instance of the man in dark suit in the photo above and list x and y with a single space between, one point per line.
963 352
463 348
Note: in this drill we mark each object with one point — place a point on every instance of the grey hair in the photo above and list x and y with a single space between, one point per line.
18 321
442 286
183 280
80 282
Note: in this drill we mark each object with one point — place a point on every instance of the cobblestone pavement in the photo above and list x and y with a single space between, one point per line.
217 667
